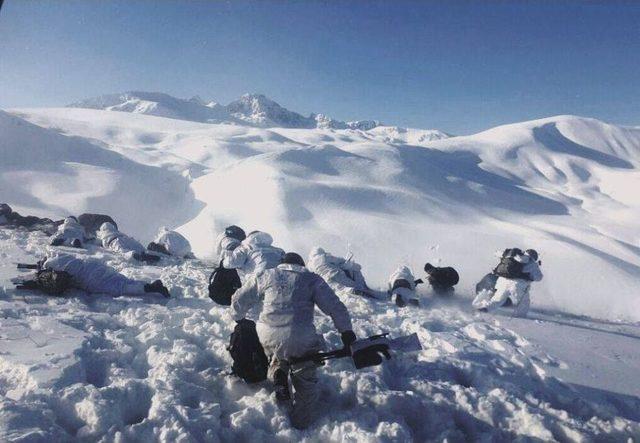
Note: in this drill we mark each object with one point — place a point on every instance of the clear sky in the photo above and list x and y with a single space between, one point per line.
452 65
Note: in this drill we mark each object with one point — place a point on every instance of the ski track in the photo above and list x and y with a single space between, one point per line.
145 369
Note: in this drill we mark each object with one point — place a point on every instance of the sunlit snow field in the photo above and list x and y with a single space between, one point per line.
143 369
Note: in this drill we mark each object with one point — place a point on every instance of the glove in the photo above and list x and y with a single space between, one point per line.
348 337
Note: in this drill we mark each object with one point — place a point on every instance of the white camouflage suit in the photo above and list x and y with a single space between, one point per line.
406 294
69 231
255 254
225 243
515 289
285 326
116 241
341 274
93 276
175 243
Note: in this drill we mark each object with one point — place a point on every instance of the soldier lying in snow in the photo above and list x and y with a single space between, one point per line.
343 275
120 243
64 271
171 243
70 233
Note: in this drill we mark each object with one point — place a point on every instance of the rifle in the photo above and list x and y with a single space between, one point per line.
367 351
36 266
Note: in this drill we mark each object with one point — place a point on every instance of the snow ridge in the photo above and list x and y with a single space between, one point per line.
250 110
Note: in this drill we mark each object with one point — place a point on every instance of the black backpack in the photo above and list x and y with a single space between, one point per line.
249 360
509 267
444 277
92 222
48 281
223 283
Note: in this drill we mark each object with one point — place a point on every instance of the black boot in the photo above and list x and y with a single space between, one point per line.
157 287
281 385
399 301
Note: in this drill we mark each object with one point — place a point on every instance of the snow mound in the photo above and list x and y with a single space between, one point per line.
143 369
49 174
407 136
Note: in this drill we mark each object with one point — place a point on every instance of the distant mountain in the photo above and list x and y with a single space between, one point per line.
249 110
160 105
258 110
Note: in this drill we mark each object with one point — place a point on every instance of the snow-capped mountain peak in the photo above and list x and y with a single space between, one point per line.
255 110
259 110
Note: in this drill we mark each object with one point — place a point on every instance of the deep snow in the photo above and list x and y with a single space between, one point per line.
143 369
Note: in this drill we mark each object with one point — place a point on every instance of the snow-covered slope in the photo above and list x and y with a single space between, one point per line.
95 368
44 172
249 110
560 185
132 369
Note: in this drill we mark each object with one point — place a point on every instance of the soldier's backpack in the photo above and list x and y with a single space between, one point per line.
509 267
92 222
48 281
442 278
249 360
223 283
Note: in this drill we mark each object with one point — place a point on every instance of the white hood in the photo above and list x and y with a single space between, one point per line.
258 238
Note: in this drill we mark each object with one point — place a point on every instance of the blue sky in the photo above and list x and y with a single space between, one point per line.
453 65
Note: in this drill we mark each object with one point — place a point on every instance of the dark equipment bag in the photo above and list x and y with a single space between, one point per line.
249 360
442 278
509 267
223 283
48 281
92 222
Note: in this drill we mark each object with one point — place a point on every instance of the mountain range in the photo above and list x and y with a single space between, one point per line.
249 110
